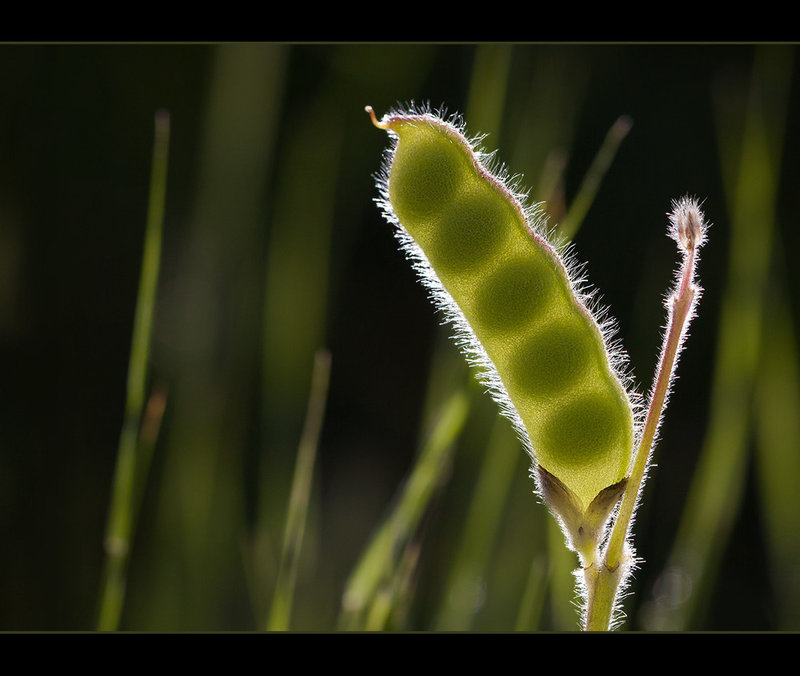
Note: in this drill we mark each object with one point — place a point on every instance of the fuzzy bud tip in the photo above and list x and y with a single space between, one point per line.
688 226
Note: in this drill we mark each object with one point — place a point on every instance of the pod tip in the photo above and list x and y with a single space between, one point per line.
379 125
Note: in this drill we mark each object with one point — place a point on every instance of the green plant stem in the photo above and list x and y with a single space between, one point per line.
606 574
280 614
124 497
591 182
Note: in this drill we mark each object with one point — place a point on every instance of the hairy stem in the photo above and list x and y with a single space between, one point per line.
605 576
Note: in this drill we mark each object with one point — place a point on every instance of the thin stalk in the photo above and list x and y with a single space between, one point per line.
605 576
591 181
152 417
280 614
124 502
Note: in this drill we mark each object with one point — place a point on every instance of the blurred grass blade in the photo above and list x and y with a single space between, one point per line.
487 90
280 614
533 597
378 562
390 603
297 275
462 588
550 187
582 201
718 485
211 335
778 456
131 465
563 562
542 133
152 418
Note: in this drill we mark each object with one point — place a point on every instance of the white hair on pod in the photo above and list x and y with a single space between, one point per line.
536 221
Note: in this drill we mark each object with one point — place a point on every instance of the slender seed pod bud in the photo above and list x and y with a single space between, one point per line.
520 314
687 224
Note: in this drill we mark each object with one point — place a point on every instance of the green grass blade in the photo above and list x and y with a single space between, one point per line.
563 599
541 135
297 275
280 614
378 563
213 336
487 91
582 201
392 600
533 597
778 456
463 586
132 463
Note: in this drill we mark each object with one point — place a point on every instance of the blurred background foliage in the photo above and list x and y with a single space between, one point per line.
411 506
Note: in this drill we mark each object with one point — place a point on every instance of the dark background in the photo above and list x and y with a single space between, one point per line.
273 248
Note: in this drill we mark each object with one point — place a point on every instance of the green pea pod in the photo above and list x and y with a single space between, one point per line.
519 311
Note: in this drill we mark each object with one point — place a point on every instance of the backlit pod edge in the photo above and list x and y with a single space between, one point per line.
519 311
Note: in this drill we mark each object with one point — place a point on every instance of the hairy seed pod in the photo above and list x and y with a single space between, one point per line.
518 310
